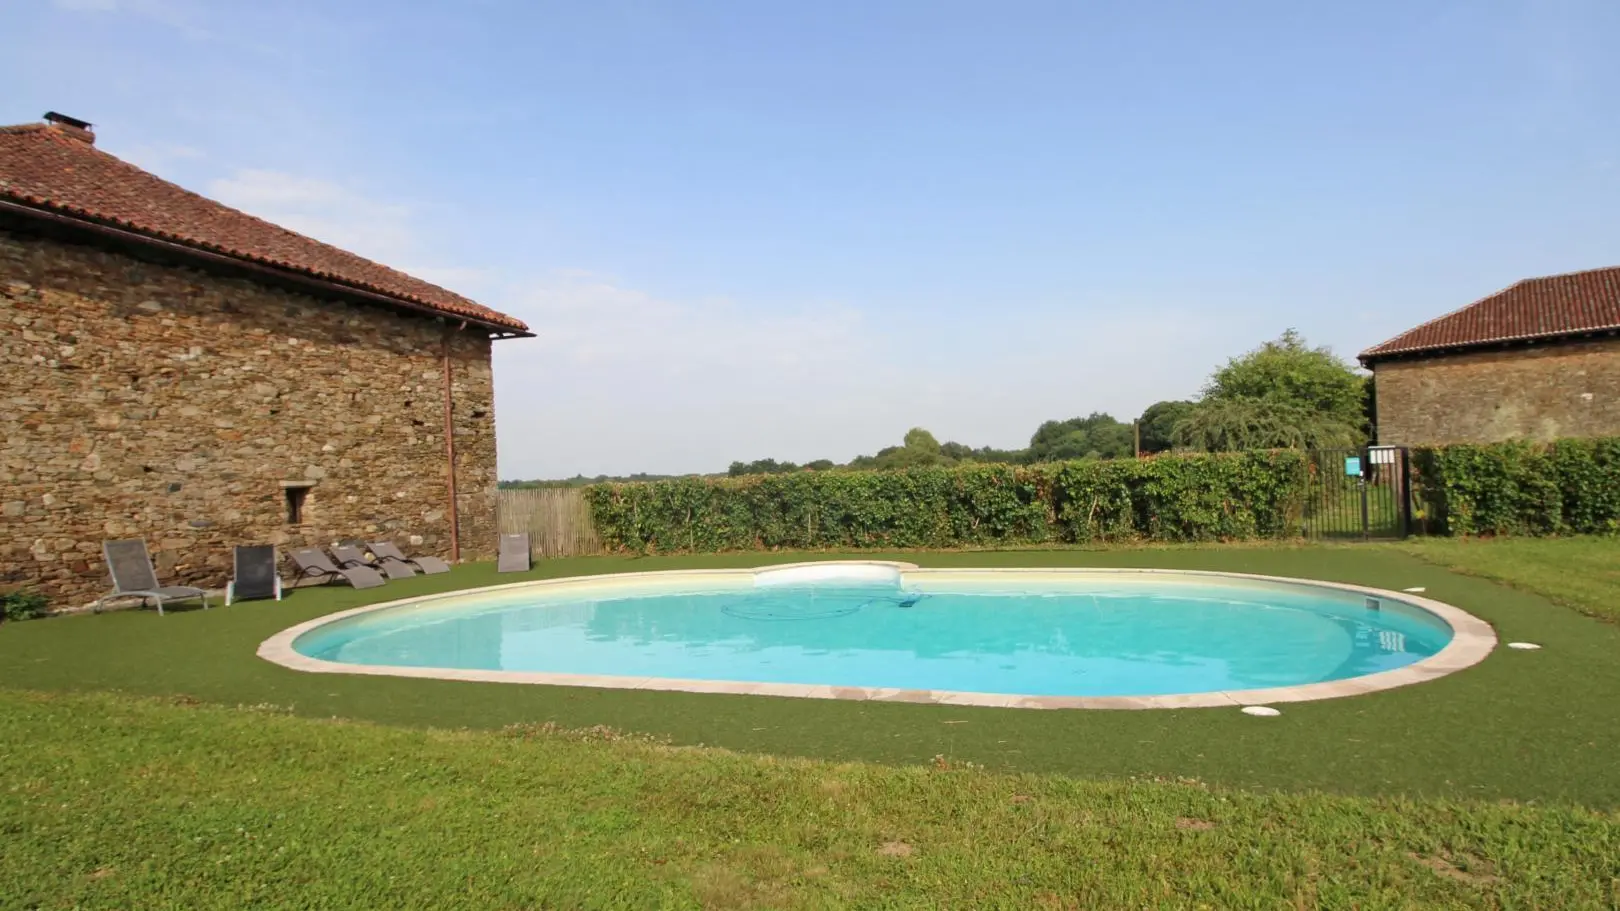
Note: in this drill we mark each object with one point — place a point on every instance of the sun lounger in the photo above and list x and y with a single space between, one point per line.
349 556
254 574
314 563
133 577
387 552
514 555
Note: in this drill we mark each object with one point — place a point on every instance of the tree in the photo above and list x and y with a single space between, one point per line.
920 440
760 466
921 448
1158 424
1369 406
1284 394
1288 370
1096 436
1229 425
992 455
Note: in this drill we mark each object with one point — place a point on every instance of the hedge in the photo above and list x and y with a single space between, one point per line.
1166 498
1518 488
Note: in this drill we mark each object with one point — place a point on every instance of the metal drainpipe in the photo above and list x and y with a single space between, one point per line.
450 449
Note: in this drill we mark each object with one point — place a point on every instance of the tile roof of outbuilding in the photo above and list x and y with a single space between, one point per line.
58 169
1554 306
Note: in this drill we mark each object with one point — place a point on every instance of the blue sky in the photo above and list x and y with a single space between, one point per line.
797 229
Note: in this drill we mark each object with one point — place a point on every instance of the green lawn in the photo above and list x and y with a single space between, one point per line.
1495 786
1582 573
112 802
1522 725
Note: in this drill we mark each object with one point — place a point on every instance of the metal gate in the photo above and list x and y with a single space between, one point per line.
1358 493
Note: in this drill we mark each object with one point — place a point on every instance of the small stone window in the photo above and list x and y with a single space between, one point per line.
295 504
294 493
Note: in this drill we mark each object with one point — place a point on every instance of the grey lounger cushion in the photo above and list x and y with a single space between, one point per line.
387 552
133 576
514 555
254 575
349 556
312 561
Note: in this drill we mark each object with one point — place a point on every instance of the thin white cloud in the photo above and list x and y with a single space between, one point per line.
620 380
321 209
176 15
162 157
581 318
344 217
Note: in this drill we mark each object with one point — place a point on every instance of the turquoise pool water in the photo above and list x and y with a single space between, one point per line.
1104 636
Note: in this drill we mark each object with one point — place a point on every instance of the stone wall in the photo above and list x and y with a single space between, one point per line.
160 402
1540 393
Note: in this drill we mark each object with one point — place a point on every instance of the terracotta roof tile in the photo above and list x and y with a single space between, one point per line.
43 166
1536 308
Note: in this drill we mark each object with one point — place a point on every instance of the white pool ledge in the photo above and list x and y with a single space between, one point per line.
1472 640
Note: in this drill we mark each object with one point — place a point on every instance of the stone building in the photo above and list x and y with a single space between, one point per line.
1539 360
178 371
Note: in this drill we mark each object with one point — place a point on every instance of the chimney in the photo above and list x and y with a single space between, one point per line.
71 126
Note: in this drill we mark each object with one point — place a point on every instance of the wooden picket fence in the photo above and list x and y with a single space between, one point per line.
558 520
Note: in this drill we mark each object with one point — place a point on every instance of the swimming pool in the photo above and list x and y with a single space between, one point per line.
871 630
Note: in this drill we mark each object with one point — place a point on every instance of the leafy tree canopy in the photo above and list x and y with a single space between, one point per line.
921 448
1096 436
1284 394
921 440
1228 425
760 466
1158 424
1290 371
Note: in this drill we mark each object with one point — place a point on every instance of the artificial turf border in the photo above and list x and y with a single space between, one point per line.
1538 725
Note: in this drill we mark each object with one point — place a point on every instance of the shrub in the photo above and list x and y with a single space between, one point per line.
21 604
1519 488
1166 498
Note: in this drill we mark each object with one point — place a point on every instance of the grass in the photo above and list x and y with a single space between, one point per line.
1580 573
1524 726
114 802
157 763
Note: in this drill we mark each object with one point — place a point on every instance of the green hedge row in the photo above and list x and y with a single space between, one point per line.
1168 498
1516 488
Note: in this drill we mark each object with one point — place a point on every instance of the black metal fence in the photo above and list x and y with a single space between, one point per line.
1359 493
